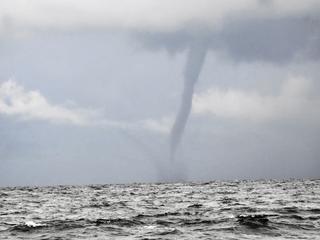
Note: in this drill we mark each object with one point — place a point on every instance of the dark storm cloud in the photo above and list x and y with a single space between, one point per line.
277 40
274 40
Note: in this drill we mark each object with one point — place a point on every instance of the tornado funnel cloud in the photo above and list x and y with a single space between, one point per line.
195 60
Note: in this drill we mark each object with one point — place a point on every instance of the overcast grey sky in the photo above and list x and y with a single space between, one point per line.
89 90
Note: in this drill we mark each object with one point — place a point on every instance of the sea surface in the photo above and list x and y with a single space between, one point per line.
212 210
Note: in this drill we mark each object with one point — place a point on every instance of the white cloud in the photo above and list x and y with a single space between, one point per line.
16 101
162 125
27 105
295 101
152 15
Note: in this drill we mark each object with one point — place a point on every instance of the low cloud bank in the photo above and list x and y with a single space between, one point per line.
15 100
25 105
295 101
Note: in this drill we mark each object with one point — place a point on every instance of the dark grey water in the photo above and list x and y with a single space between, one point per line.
214 210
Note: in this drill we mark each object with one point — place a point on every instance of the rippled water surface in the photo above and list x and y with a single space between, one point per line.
213 210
